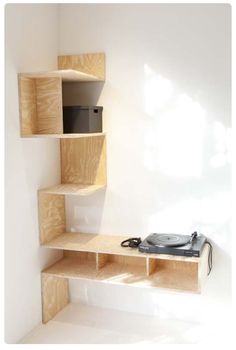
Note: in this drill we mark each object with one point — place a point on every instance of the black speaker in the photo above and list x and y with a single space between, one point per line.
82 119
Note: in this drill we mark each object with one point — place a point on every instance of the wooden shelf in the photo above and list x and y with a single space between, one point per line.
64 136
73 189
66 75
110 244
127 270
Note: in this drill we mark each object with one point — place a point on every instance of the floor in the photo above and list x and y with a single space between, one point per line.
84 324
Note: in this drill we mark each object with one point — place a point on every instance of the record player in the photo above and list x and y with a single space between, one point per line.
173 244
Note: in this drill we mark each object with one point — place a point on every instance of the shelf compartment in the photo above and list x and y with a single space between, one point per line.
73 189
40 93
175 275
121 270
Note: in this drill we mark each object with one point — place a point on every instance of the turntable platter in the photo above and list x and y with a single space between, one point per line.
167 240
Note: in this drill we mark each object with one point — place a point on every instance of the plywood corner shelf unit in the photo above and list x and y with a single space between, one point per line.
40 93
83 172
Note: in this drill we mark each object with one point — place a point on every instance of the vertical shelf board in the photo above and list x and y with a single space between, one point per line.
55 295
49 105
40 101
92 64
27 105
52 219
151 265
101 260
83 161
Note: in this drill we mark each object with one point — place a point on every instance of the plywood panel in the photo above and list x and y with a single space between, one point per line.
93 63
81 256
151 266
111 273
83 161
64 136
121 272
102 260
52 220
65 75
55 295
73 189
27 105
104 243
49 105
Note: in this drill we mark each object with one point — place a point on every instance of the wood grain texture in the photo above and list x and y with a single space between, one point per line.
27 105
92 64
169 275
83 161
107 244
112 273
65 75
52 222
63 136
102 260
73 189
40 102
55 295
151 266
176 275
82 257
49 105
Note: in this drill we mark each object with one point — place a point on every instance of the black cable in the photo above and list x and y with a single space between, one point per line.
131 242
209 257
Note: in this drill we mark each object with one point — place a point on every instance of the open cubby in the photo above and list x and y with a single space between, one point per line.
121 268
83 166
173 274
41 94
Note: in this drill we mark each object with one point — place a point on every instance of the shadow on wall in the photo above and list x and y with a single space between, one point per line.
85 93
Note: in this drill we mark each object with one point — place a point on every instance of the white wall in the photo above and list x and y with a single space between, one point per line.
31 44
167 116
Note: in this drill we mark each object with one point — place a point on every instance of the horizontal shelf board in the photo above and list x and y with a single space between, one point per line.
121 274
110 244
64 136
73 189
64 74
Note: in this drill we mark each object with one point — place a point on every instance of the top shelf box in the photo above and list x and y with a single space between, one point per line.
40 93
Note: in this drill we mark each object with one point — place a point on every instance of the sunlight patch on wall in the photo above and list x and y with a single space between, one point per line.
193 214
178 128
157 91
